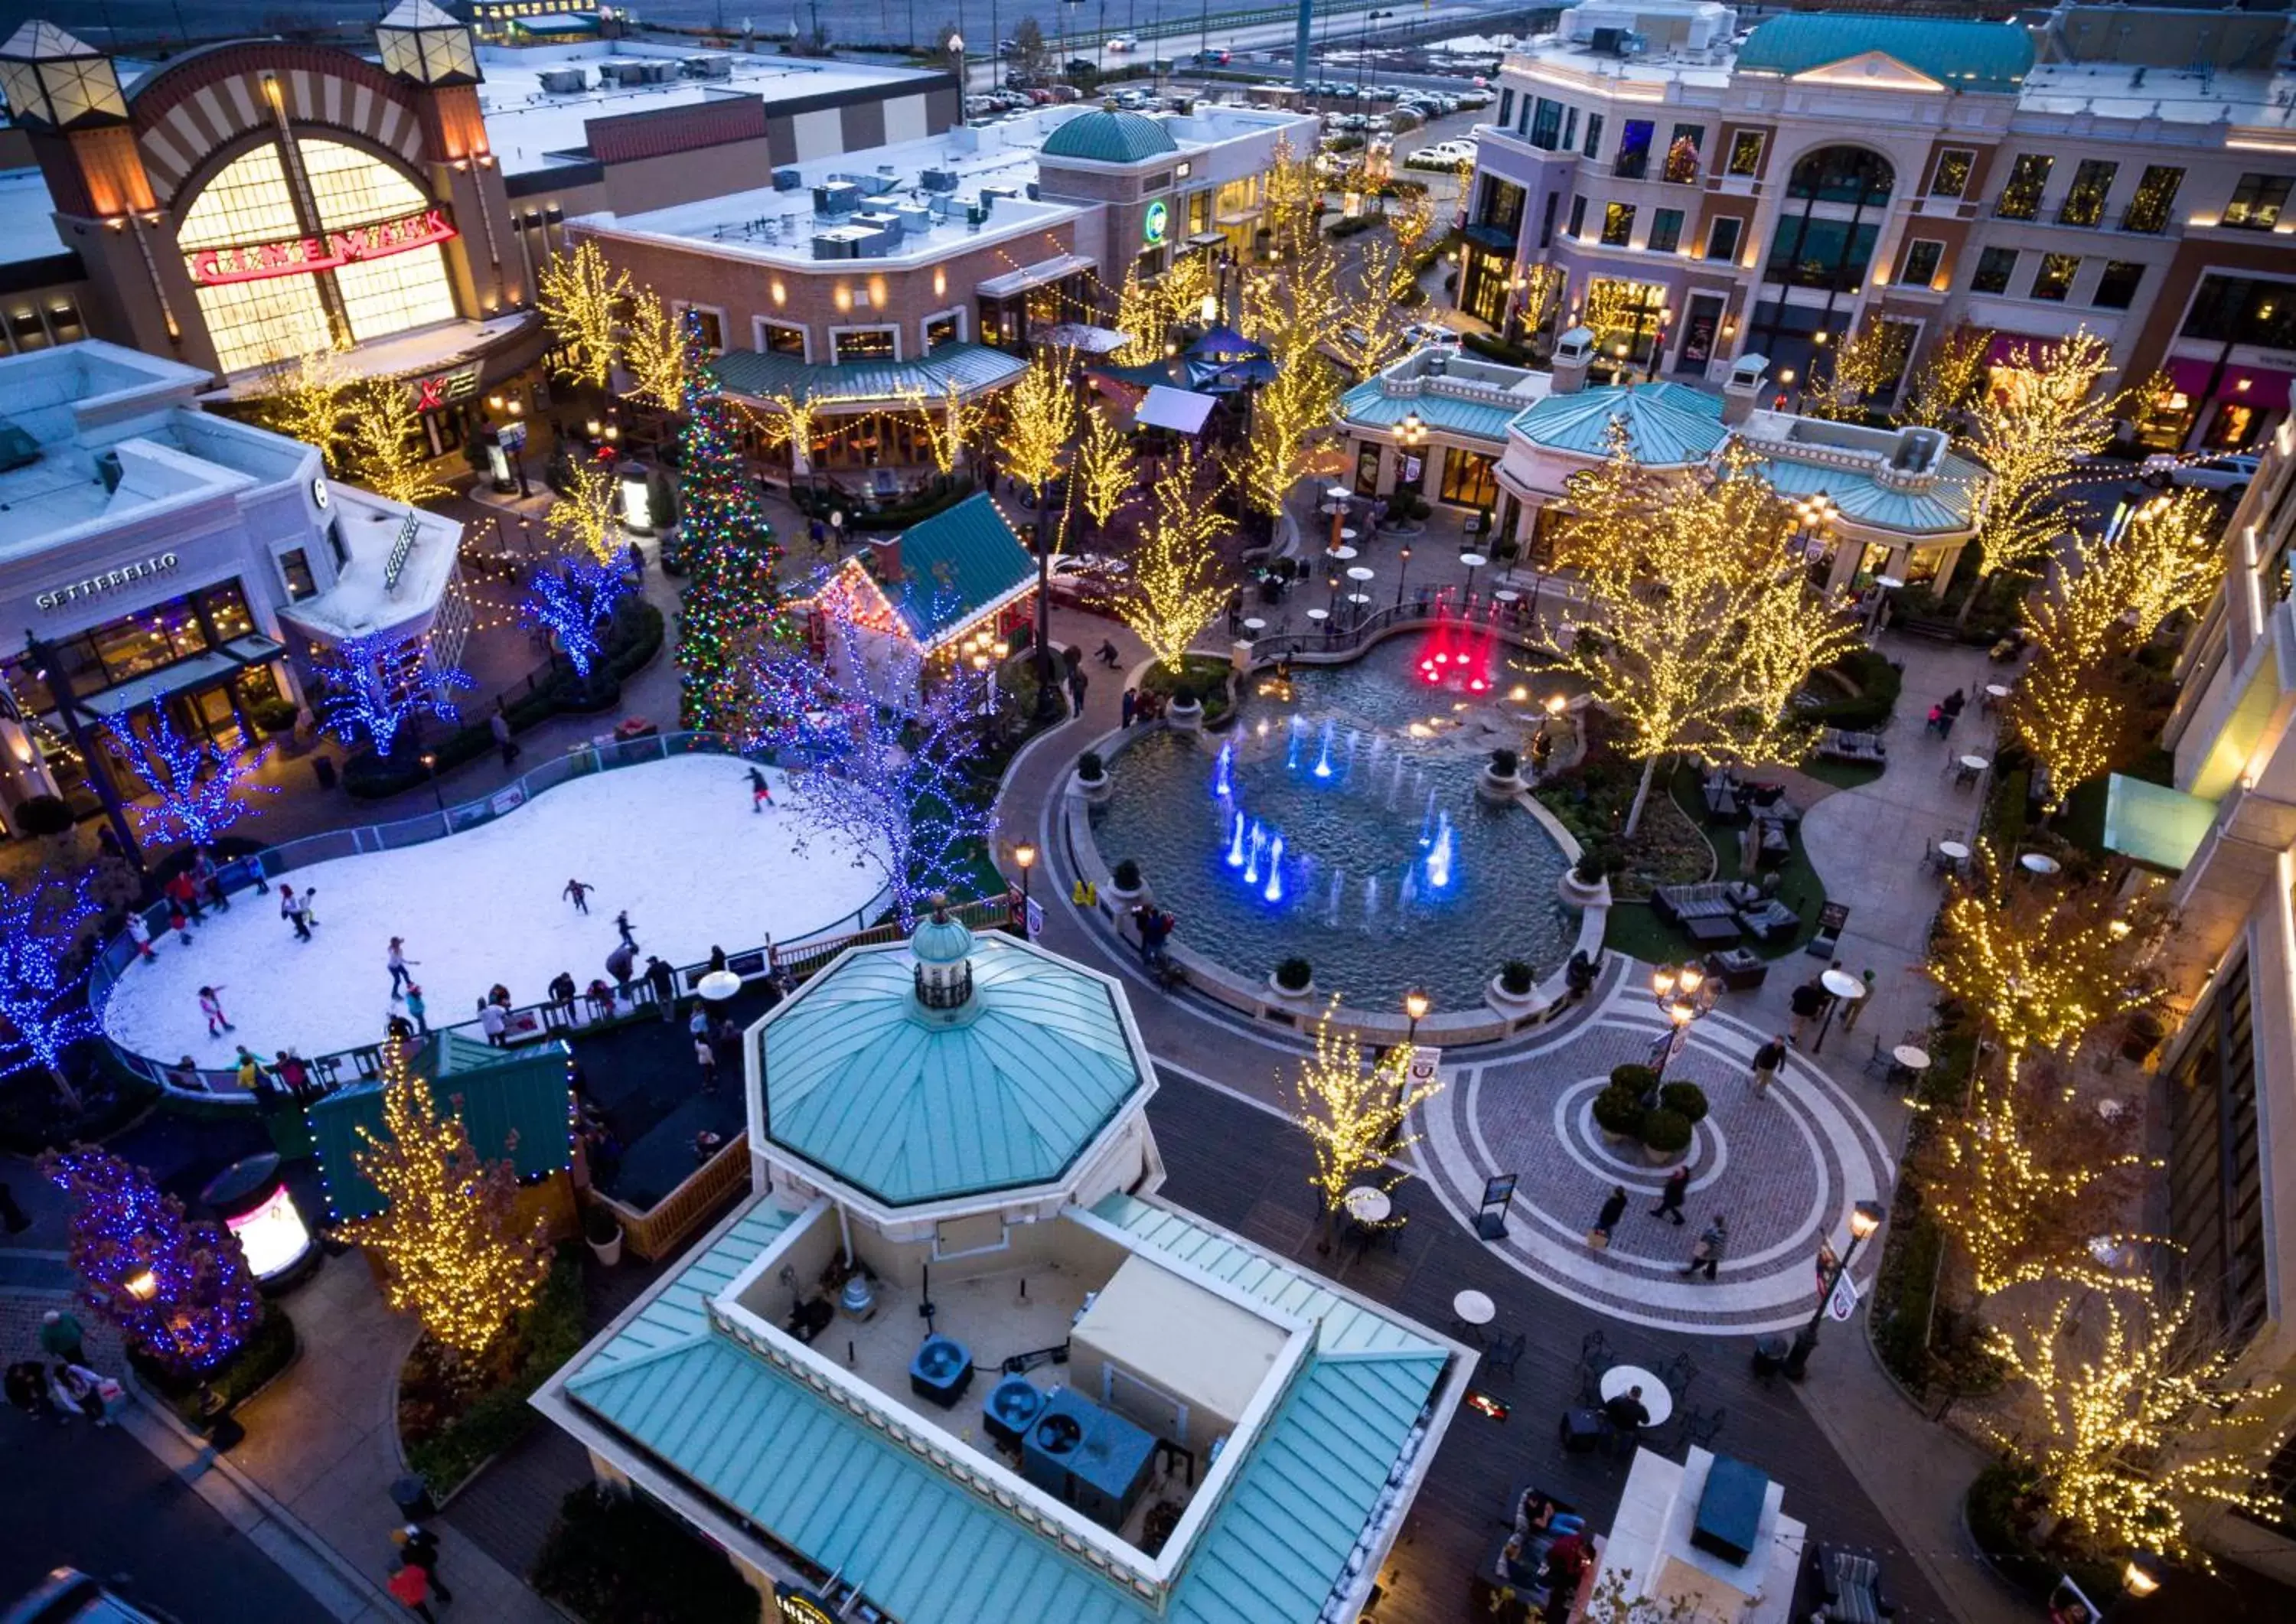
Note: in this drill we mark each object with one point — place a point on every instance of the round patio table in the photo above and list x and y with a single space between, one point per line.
1474 560
1366 1205
1975 763
1475 1308
718 986
1625 1378
1319 615
1343 552
2038 863
1954 849
1506 595
1842 985
1360 572
1911 1056
1254 625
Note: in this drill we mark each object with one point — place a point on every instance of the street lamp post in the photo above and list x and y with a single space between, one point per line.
1683 993
431 765
956 47
1416 1005
1842 988
1025 855
1865 1219
1402 564
1410 434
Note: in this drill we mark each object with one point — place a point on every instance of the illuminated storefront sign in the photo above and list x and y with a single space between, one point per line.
272 1234
801 1606
302 255
1157 223
110 580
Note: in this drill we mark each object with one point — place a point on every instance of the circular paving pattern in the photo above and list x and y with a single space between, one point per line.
1781 1168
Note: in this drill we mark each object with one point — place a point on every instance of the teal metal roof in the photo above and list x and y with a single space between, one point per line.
1948 507
1989 56
941 940
956 564
1110 137
498 1092
1368 406
858 1082
763 375
1670 425
2154 824
821 1479
1343 1326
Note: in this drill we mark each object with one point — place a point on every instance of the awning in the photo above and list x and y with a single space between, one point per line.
1034 275
1224 344
1183 411
864 386
2259 386
2153 824
1083 338
199 671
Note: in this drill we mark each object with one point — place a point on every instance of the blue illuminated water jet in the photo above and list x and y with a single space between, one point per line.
1274 891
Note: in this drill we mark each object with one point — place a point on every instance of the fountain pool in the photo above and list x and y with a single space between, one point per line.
1340 822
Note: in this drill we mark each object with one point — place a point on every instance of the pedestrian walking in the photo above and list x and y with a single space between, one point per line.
761 793
1706 1256
415 1007
1858 1004
637 567
663 979
619 964
697 1025
211 1006
61 1337
292 911
1950 712
1808 1004
705 1055
1670 1195
1614 1207
396 959
1131 704
77 1389
1078 683
140 933
629 937
1107 655
410 1588
495 1022
579 895
1767 1059
498 725
418 1548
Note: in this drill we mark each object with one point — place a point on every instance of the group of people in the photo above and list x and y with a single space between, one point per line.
1945 713
1705 1253
1143 705
189 893
60 1384
1811 1000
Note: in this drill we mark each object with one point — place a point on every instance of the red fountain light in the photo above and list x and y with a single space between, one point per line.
1457 653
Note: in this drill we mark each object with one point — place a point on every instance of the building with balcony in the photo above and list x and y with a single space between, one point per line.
160 559
2226 832
953 1360
1696 192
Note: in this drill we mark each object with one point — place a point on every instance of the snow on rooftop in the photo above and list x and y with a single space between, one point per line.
28 226
2117 90
360 603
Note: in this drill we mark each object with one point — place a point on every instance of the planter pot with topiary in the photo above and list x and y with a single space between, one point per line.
1295 977
1093 779
604 1235
1501 777
1125 885
1666 1137
1185 712
1686 1100
1514 987
1619 1114
1586 883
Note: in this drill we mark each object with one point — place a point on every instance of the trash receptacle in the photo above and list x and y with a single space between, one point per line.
412 1495
1770 1356
323 768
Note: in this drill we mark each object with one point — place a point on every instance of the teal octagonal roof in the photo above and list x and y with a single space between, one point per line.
1110 137
858 1082
1667 424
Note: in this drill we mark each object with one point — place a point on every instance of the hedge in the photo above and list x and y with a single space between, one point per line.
1878 682
631 644
550 1333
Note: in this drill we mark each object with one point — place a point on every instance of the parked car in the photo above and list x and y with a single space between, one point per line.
1428 333
2224 471
1124 42
68 1596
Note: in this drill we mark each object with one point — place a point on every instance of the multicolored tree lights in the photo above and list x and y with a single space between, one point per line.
730 609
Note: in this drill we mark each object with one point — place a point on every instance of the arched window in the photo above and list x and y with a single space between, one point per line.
1826 230
1842 174
258 312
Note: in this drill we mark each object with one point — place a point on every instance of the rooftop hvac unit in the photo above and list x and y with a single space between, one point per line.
18 449
915 219
832 245
876 244
878 220
788 180
976 215
939 180
708 67
989 194
836 198
1033 193
565 81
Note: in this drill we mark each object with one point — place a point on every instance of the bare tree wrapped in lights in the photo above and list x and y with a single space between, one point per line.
43 1005
581 298
2139 1431
1700 627
370 688
950 424
1040 419
572 600
1292 315
879 749
1176 588
1864 366
1105 473
201 788
387 454
1946 379
583 516
308 397
1354 1115
653 349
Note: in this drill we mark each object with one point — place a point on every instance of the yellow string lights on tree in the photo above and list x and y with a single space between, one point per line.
654 349
583 516
1866 362
581 298
1292 317
948 426
1698 626
1105 468
452 1250
1353 1116
1040 419
1941 386
1176 588
2138 1431
309 398
386 450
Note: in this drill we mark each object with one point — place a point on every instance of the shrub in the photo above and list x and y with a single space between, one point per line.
1505 763
446 1449
1635 1076
42 815
1595 862
1516 977
1090 767
1666 1130
1294 974
1125 875
1184 695
1686 1100
1620 1111
612 1557
1878 683
267 1351
273 715
600 1227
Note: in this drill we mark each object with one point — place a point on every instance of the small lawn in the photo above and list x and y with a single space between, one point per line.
1800 888
1840 774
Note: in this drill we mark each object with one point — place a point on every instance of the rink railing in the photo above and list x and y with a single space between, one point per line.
793 959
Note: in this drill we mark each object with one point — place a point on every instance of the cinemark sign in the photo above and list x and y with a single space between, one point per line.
302 255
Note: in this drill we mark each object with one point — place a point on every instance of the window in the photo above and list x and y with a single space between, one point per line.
1821 253
1200 211
2156 191
1546 220
862 344
2054 280
1950 177
1569 128
780 338
2244 310
1842 174
2116 289
1995 267
2029 178
2216 1202
1618 224
1470 479
295 570
1522 117
946 328
1746 152
709 325
1593 134
1502 205
1546 125
1506 108
1923 255
1665 231
2256 202
1682 156
2084 203
1578 227
1633 161
1722 238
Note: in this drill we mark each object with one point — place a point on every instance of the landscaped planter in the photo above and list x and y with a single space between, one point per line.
1663 1159
1510 1003
1578 894
1290 994
604 1236
1097 789
1186 715
1494 785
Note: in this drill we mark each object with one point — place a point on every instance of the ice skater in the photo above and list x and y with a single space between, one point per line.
397 962
292 911
579 894
629 937
306 907
211 1006
415 1007
140 933
761 793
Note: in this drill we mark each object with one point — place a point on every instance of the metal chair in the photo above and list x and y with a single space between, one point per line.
1590 1376
1878 1063
1702 1427
1594 1343
1503 1354
1678 1373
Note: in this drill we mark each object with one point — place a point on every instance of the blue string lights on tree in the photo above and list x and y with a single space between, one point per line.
372 686
572 600
201 786
180 1293
42 999
732 603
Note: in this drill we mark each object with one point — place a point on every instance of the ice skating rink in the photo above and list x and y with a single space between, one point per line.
673 841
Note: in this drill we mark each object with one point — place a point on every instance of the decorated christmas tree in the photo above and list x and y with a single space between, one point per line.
180 1293
731 604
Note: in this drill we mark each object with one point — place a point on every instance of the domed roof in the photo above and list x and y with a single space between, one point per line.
941 940
1110 137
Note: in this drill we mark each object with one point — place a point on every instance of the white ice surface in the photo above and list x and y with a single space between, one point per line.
673 841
